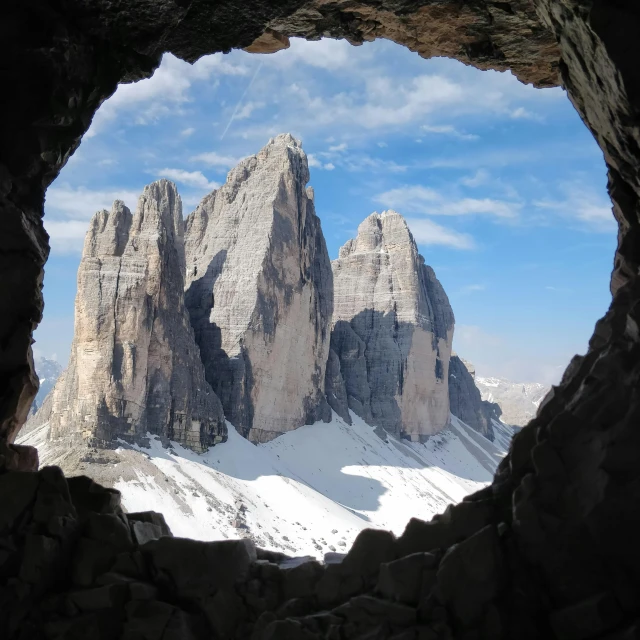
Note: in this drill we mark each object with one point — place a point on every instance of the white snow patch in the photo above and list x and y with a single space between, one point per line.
310 491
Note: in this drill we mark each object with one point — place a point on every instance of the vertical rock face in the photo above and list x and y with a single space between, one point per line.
134 365
260 293
465 399
393 327
335 387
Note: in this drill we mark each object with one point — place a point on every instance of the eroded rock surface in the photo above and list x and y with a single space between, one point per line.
134 366
260 293
465 399
393 328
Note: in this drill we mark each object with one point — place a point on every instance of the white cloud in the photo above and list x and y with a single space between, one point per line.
66 236
471 288
314 162
427 232
524 114
215 159
165 92
365 162
338 148
190 178
480 177
247 109
79 202
449 130
325 54
187 132
419 199
583 204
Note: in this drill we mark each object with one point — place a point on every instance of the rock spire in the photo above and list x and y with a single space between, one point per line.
465 401
134 365
260 293
393 327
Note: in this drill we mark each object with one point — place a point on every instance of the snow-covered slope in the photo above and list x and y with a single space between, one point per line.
309 491
519 401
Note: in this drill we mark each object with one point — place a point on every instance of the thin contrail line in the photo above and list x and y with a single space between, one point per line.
235 111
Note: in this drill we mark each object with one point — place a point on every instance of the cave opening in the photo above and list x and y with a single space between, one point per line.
476 163
554 558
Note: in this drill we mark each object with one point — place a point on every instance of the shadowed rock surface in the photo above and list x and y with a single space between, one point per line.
134 365
564 504
48 372
465 400
260 293
393 328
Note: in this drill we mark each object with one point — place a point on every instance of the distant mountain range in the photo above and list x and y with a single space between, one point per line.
519 401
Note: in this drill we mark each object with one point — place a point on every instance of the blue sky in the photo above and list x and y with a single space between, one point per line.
503 186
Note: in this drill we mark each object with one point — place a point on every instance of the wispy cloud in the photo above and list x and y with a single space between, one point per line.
583 204
64 201
420 199
448 130
166 92
215 159
316 163
428 232
190 178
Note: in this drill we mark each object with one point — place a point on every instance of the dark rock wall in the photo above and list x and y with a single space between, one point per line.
549 550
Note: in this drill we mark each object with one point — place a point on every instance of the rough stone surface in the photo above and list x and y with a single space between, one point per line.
260 293
565 499
465 401
393 328
335 387
134 365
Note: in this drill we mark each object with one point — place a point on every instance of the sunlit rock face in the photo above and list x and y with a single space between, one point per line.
260 293
134 365
393 328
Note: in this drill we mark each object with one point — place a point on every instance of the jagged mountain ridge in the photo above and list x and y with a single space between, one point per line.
519 401
258 285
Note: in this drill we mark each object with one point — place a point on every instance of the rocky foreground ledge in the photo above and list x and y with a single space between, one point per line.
74 565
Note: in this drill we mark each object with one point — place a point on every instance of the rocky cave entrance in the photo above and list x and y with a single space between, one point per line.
548 527
153 130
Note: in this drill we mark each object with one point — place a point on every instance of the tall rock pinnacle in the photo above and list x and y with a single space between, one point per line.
465 400
260 293
393 328
134 365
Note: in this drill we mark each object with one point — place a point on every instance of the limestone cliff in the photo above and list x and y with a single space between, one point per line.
260 293
393 327
134 364
465 401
